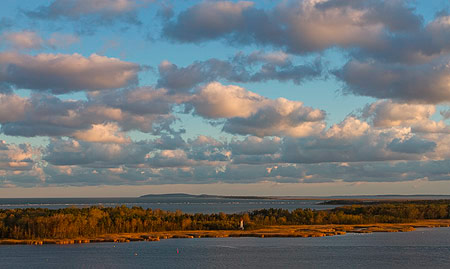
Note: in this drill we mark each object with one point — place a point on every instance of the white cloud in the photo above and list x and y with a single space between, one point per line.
386 113
250 113
109 133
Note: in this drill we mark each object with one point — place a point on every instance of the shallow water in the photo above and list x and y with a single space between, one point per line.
424 248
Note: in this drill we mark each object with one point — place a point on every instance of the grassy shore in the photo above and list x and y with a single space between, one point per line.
270 231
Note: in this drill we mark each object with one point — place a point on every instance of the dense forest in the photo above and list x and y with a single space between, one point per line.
34 223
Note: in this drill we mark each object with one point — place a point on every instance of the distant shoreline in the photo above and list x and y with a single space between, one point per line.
269 231
384 197
326 200
331 197
365 198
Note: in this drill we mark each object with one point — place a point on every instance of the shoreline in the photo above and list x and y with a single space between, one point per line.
269 231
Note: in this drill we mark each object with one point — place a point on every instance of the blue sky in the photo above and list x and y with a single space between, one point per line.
323 97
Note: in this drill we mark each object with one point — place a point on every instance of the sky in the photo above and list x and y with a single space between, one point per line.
298 97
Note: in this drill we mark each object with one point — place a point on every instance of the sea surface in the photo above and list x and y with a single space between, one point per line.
185 204
424 248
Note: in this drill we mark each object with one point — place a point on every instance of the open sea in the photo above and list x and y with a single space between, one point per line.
424 248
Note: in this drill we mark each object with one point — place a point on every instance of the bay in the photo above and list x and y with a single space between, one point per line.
185 204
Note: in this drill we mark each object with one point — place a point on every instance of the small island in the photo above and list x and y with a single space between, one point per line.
39 226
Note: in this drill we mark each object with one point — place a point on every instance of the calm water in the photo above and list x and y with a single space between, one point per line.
424 248
185 204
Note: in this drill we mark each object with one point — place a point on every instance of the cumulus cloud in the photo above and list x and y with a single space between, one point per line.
324 158
412 145
281 117
94 154
28 40
146 154
221 101
12 107
109 132
430 126
306 26
19 165
90 13
98 127
396 15
171 152
205 149
75 9
16 157
250 113
386 113
245 173
426 83
390 31
61 73
91 120
299 26
169 158
144 108
352 140
208 20
22 40
98 150
44 115
256 150
169 142
140 101
419 46
253 145
393 54
363 171
269 66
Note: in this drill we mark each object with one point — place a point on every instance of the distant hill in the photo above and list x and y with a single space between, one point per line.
171 195
185 195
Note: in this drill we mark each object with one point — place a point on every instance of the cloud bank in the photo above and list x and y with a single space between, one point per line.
106 123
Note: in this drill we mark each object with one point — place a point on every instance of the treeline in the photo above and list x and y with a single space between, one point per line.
38 223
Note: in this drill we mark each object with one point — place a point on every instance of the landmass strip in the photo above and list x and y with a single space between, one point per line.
122 224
